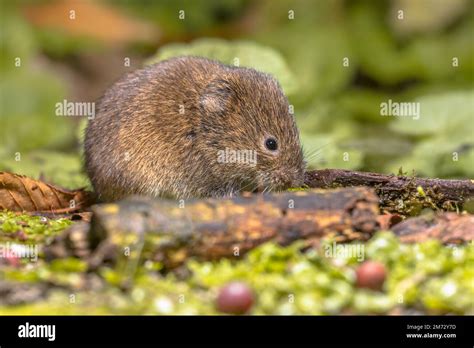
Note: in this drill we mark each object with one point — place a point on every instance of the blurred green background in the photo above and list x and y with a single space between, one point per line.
337 61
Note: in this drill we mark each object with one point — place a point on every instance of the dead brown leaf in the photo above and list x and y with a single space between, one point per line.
20 193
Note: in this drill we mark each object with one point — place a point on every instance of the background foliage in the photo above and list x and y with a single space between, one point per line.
337 107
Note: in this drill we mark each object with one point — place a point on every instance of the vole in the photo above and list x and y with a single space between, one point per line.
187 127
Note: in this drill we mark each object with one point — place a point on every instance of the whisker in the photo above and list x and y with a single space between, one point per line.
309 154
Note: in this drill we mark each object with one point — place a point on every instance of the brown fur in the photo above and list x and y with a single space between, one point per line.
140 143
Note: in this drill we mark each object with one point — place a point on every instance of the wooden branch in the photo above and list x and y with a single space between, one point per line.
145 229
215 228
399 194
448 228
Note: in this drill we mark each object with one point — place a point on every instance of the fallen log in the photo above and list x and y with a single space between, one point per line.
399 194
170 232
448 228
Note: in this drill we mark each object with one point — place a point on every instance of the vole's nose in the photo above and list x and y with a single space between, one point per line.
282 181
297 182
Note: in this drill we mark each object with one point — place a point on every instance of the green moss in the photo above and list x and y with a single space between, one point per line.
426 277
24 228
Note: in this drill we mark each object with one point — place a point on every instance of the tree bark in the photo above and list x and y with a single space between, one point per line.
448 228
214 228
141 228
399 194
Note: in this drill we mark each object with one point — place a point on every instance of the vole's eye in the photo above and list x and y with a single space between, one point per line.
271 144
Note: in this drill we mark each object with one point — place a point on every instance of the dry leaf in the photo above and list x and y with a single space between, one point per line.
20 193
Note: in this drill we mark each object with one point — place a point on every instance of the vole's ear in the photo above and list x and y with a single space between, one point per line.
217 97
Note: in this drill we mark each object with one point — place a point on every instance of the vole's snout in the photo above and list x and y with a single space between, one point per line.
297 180
283 179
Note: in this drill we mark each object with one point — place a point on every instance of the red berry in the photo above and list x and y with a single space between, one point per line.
371 275
235 298
13 261
21 235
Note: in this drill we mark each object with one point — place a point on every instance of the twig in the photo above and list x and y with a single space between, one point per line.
401 194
